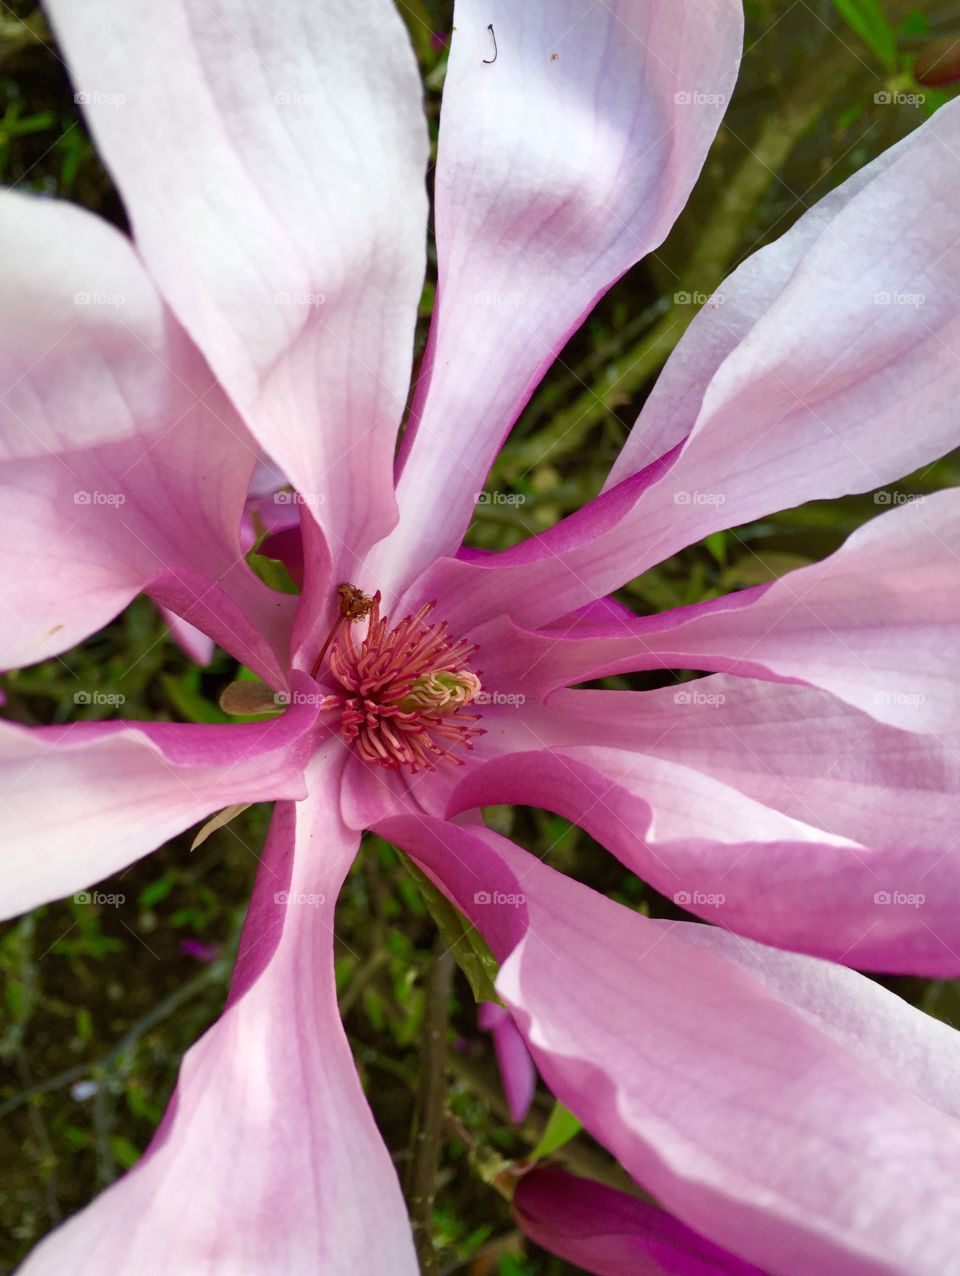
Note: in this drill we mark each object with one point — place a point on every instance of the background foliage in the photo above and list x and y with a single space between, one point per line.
101 1000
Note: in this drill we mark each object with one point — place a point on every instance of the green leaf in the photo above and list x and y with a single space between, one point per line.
916 23
561 1128
189 702
464 940
14 996
272 572
125 1152
138 1101
13 126
511 1266
156 891
756 569
850 114
716 543
867 19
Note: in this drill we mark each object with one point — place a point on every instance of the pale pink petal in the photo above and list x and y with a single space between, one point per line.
469 870
276 190
81 802
268 1159
612 1234
517 1072
262 644
196 645
123 466
726 319
570 137
791 1111
794 749
807 398
740 864
875 623
608 608
272 512
773 809
267 477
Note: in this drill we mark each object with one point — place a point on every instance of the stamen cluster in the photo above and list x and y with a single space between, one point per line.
405 690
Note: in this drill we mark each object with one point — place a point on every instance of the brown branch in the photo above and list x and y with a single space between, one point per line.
427 1138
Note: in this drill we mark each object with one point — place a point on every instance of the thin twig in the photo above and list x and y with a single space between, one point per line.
431 1104
212 975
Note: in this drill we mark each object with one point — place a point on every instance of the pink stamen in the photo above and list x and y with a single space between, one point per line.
387 719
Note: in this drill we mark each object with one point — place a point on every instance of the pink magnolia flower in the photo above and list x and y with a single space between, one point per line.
272 161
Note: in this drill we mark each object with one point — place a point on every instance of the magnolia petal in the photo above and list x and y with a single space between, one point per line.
613 1234
267 479
795 749
739 864
123 466
191 641
562 161
744 298
268 1159
876 624
790 1110
81 802
810 402
300 289
517 1072
262 644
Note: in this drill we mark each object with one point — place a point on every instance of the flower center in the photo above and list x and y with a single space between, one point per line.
403 691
